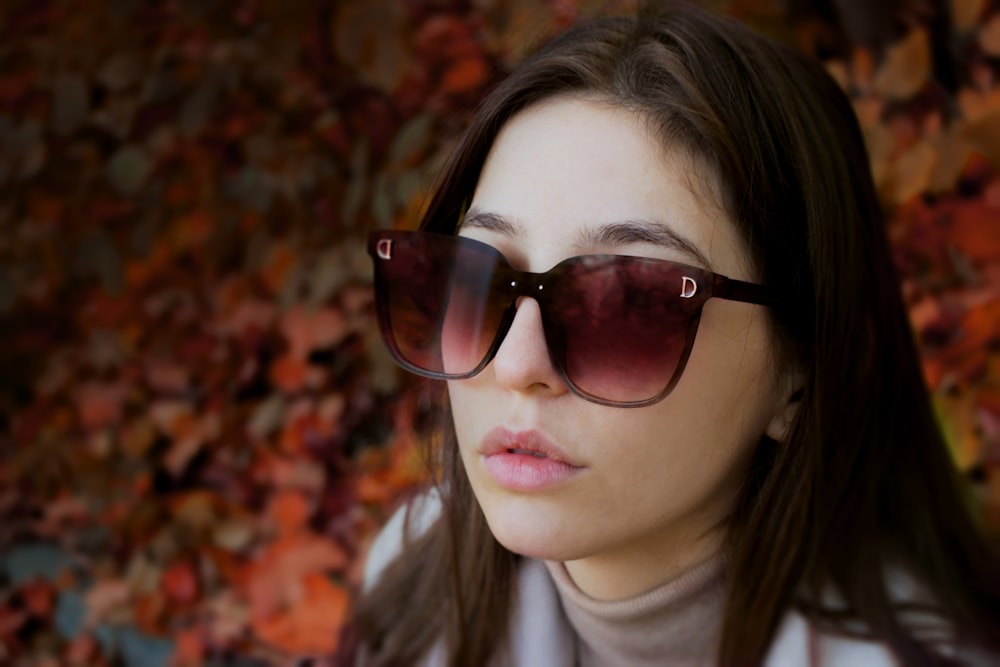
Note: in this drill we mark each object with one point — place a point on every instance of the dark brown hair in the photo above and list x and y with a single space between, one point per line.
864 486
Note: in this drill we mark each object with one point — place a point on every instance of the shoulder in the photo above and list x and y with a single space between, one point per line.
411 519
539 634
800 643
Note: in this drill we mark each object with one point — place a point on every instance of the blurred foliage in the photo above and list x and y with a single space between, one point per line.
200 430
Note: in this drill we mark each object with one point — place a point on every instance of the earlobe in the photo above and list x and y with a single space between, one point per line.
780 426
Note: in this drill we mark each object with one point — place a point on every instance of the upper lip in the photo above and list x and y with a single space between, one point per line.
501 440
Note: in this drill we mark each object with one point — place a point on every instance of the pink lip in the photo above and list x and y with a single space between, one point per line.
525 461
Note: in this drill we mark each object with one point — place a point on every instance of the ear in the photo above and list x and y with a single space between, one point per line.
787 407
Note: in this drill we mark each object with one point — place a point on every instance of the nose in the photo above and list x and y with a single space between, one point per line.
522 363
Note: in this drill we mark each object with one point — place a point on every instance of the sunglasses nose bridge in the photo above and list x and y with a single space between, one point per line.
523 360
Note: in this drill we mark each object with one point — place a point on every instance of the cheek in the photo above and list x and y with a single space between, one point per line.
466 410
473 415
730 383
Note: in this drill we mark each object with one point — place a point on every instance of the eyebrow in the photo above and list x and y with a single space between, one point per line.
494 222
607 235
640 231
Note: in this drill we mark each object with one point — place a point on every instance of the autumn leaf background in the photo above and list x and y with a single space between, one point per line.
201 432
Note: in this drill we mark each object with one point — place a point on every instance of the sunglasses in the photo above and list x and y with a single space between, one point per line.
619 329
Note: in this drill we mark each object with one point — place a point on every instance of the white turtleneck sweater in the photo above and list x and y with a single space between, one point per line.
553 623
677 623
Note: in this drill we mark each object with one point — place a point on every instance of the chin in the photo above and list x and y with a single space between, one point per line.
529 531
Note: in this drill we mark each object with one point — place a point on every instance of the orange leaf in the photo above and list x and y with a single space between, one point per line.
44 208
862 67
307 329
965 13
984 133
275 271
189 648
296 473
989 36
312 625
910 174
371 38
100 404
148 611
953 153
82 650
105 596
189 439
289 373
195 510
466 75
172 417
906 67
167 377
974 231
11 620
289 511
191 230
373 489
274 580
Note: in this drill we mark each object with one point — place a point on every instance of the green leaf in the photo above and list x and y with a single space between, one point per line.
409 186
142 650
382 201
70 103
71 612
411 138
129 168
97 256
29 561
8 293
355 192
198 107
250 187
329 272
120 71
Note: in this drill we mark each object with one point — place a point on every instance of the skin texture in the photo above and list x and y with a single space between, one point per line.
658 481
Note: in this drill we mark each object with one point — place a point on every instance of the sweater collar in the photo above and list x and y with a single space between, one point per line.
676 623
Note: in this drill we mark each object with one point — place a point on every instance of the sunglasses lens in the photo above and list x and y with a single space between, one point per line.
619 327
438 310
475 308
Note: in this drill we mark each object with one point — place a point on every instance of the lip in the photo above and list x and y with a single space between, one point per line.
525 460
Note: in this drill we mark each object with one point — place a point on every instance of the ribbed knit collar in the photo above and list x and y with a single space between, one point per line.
677 623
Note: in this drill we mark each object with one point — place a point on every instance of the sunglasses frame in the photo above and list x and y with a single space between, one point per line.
698 285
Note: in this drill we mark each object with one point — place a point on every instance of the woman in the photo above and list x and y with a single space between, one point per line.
685 419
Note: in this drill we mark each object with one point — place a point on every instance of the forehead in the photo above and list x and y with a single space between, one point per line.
568 166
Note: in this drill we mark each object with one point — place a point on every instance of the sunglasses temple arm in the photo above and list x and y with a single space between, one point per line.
739 290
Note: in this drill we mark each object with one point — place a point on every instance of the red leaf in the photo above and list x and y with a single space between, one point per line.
466 75
100 404
289 374
974 230
180 582
38 597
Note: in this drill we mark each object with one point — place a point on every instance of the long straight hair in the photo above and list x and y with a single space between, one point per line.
864 488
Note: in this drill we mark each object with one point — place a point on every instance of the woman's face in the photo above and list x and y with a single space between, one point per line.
628 497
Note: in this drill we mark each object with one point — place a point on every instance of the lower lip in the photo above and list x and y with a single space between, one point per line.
523 472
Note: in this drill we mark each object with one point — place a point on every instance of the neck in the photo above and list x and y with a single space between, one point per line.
626 573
